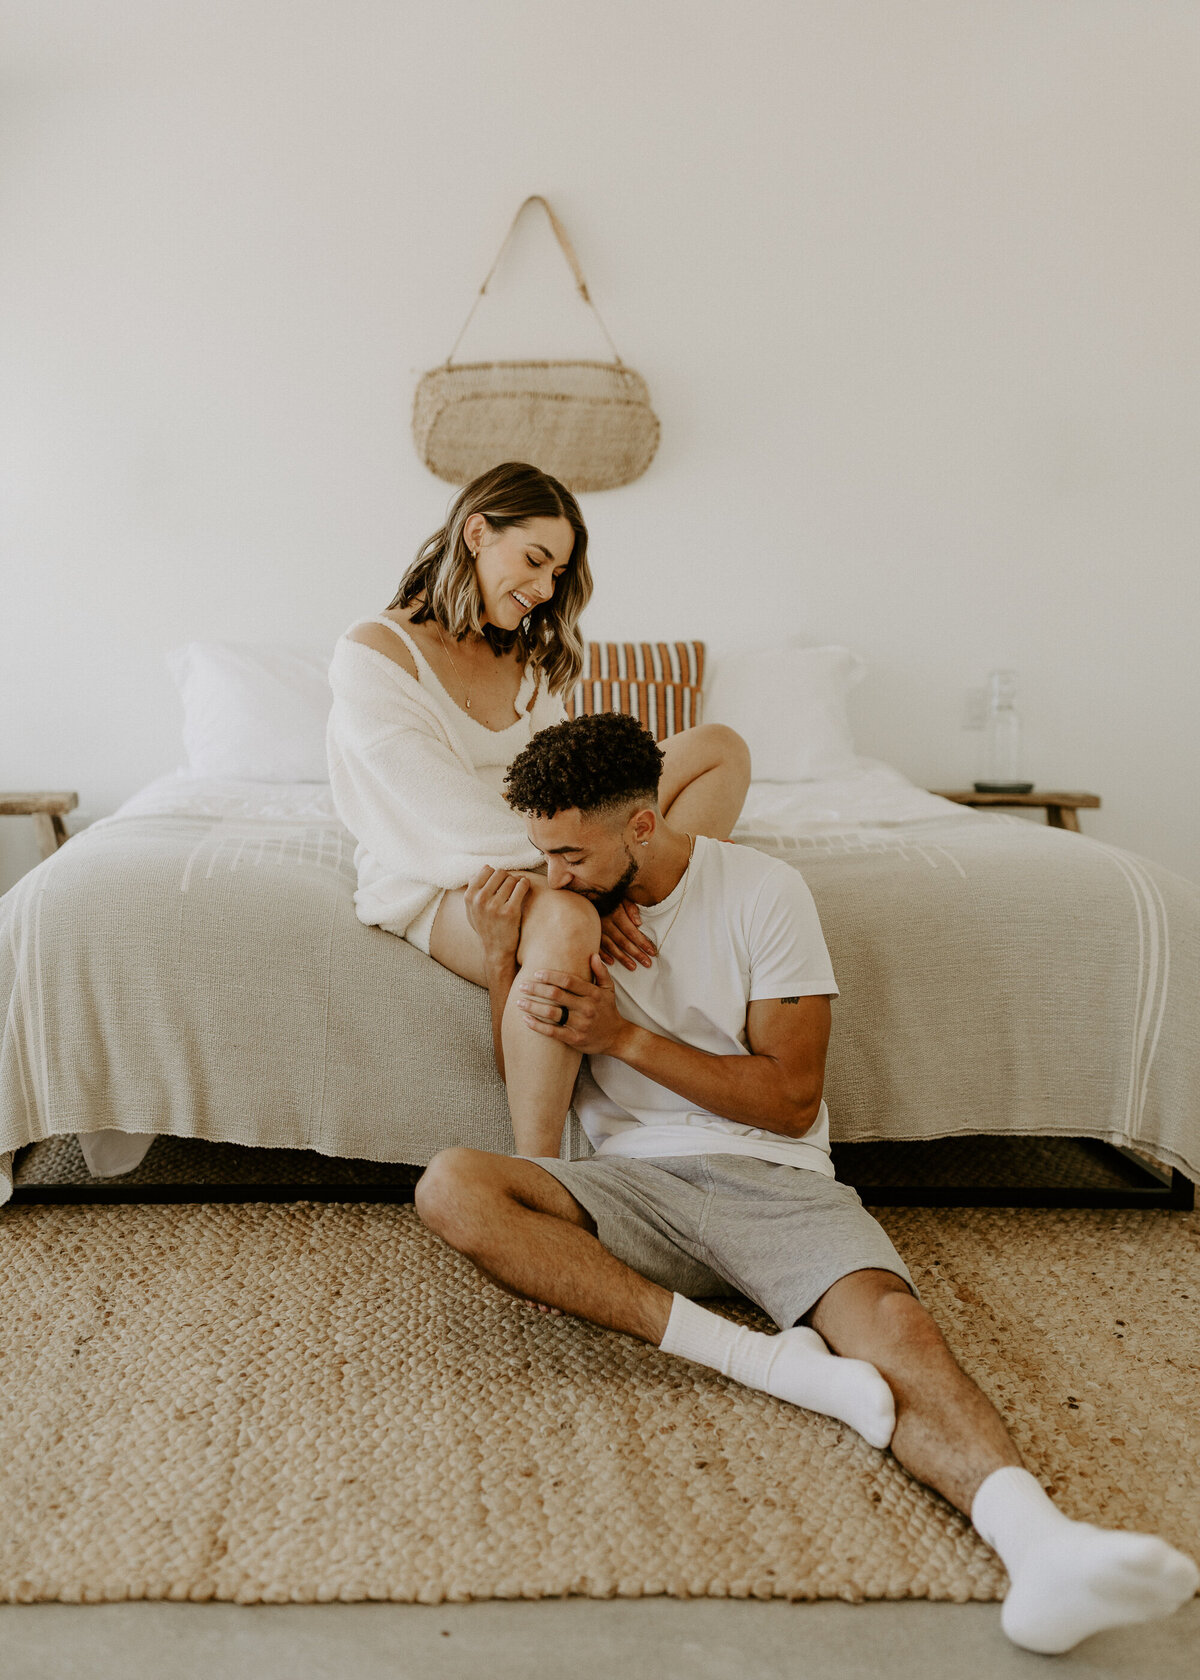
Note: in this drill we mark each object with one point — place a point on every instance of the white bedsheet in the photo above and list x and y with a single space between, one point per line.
181 794
877 794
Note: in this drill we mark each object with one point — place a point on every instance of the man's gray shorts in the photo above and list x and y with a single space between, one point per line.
720 1224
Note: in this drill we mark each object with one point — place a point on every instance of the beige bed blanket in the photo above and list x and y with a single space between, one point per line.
195 966
998 976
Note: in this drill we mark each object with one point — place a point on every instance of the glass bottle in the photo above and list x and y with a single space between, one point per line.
1002 770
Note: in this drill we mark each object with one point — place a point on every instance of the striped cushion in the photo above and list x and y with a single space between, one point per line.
663 708
659 683
672 662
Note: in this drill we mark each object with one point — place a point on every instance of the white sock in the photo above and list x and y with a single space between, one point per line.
1070 1579
795 1365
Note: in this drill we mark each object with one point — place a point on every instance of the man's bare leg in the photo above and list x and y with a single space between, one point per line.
706 772
948 1435
1068 1579
527 1233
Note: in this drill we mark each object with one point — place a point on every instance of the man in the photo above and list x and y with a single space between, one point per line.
701 1091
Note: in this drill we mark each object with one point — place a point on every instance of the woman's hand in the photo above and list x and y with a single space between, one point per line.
621 937
495 902
593 1025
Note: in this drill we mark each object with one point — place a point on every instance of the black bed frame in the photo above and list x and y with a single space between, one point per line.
1145 1186
1141 1185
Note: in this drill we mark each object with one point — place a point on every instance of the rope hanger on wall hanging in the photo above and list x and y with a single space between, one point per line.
587 423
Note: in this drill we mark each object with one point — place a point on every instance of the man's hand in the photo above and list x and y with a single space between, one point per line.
622 939
593 1025
495 902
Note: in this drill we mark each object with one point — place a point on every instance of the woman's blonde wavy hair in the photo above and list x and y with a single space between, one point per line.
442 577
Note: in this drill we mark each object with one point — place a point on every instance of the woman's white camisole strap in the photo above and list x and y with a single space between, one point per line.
524 700
410 643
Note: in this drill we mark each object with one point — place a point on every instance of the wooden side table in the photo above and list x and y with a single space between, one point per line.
47 811
1060 808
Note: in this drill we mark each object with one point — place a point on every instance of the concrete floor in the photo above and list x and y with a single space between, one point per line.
586 1639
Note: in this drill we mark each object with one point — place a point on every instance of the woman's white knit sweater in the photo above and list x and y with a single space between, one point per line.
405 784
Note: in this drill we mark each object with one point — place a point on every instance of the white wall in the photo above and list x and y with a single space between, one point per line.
914 284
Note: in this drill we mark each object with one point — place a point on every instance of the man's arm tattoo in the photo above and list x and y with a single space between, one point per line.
789 1000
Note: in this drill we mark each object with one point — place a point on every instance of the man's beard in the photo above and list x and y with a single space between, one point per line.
606 902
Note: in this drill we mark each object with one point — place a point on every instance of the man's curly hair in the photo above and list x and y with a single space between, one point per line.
594 763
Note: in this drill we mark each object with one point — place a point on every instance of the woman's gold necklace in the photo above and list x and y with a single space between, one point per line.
462 684
455 668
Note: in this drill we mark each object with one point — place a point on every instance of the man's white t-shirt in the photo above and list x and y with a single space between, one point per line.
739 926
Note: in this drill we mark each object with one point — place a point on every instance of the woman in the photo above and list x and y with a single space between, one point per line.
432 700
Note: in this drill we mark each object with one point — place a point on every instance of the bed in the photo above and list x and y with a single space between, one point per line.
192 965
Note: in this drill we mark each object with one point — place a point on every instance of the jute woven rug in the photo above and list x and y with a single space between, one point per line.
307 1402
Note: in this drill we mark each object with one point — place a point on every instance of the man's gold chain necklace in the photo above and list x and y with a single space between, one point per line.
687 881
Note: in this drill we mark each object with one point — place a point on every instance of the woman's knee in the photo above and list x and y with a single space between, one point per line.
560 920
727 745
698 752
731 750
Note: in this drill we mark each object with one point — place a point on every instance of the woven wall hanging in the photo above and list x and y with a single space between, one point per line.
589 424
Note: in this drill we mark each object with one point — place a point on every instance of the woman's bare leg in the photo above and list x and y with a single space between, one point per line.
706 772
558 930
453 941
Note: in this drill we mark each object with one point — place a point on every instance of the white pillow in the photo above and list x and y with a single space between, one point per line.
789 704
253 711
